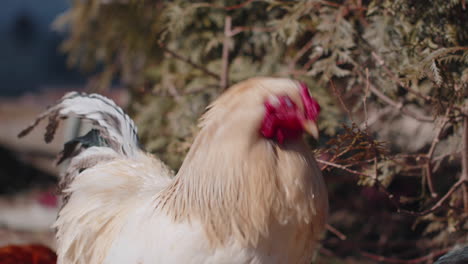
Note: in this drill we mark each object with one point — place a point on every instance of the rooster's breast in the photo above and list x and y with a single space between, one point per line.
152 237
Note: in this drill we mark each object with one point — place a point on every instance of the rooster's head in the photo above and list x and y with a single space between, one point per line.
273 108
284 119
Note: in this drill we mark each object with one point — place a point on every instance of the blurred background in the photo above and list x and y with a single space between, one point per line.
29 48
391 78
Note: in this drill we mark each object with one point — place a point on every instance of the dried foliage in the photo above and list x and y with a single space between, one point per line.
392 71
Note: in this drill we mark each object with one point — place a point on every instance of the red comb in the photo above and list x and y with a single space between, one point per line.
312 108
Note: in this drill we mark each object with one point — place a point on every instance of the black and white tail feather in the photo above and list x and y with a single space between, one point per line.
113 133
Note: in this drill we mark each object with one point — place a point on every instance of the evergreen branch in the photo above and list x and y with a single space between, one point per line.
440 53
395 78
190 62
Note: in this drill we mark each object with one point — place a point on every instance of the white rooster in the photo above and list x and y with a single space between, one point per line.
249 190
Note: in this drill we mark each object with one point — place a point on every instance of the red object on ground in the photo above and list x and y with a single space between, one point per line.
48 199
27 254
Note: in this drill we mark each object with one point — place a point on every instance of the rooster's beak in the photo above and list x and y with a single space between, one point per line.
311 128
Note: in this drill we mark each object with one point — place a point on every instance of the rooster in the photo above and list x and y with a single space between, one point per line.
248 191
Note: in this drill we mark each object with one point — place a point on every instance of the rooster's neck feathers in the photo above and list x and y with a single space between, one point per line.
237 183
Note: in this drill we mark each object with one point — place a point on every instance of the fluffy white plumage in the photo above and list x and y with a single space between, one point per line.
238 197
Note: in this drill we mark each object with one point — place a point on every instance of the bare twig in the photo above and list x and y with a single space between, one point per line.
174 93
394 77
464 176
364 101
436 139
227 8
338 94
398 105
224 81
391 197
237 30
376 117
438 205
301 53
443 156
336 232
430 154
338 166
190 62
422 259
326 252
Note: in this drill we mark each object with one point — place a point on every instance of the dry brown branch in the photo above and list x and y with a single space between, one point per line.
237 30
224 80
364 100
398 105
190 62
438 205
464 176
376 117
430 154
330 3
422 259
391 197
227 8
443 156
394 77
301 53
338 166
338 95
326 252
238 5
336 232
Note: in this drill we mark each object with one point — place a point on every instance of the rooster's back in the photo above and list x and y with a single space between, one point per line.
107 178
